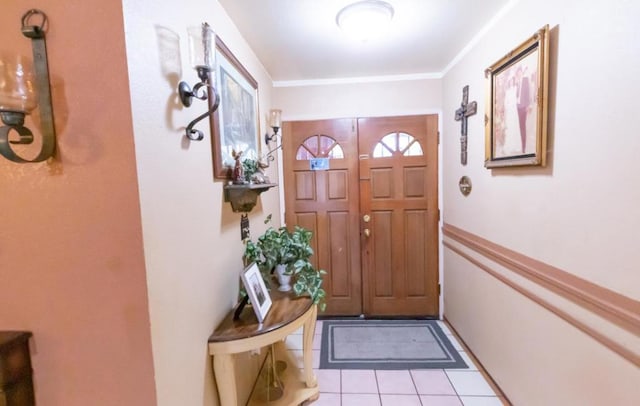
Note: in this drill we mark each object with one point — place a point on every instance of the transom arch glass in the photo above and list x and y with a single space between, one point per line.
397 143
319 146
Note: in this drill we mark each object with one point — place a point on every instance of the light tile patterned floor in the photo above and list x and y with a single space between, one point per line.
432 387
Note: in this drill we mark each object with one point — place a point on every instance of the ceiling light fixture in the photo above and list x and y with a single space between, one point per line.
365 19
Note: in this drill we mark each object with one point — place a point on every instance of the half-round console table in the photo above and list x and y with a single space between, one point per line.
287 314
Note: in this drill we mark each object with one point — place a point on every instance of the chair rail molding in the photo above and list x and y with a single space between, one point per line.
612 306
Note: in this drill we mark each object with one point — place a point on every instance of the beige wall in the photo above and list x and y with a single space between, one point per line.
71 259
579 214
191 237
371 99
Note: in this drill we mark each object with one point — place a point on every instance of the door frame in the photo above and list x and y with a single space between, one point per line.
439 113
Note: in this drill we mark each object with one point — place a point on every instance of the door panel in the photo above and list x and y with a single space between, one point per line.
415 226
382 230
398 189
327 203
305 186
338 230
310 222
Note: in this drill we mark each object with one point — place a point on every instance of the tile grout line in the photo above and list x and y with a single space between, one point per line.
415 387
375 374
453 386
341 387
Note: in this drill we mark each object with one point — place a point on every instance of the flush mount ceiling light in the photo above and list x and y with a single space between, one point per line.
365 19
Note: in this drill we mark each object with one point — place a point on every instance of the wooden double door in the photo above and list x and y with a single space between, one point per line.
368 189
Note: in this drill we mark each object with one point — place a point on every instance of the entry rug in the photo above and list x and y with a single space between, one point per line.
386 344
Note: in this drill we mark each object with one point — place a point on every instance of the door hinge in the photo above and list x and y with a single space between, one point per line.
439 290
438 214
438 137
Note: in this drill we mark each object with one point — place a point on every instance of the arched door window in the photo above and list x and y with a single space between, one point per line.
397 143
319 146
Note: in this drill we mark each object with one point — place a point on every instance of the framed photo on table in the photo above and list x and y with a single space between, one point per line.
257 291
516 105
235 123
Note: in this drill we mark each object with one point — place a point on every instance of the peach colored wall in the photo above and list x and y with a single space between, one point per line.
579 214
71 256
193 250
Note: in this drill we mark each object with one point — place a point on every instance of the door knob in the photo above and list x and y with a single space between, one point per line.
367 232
366 218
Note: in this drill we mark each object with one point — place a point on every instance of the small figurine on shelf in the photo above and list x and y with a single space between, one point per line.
259 176
262 165
238 171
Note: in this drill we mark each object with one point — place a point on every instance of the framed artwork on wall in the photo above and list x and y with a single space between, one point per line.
257 291
516 105
235 123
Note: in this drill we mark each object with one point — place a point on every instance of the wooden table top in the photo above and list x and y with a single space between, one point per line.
285 308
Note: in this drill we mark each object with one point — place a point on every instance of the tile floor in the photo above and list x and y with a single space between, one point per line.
437 387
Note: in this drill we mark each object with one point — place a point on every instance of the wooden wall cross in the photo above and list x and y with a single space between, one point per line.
466 109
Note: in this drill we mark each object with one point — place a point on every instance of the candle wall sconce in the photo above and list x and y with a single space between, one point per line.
275 122
202 57
19 95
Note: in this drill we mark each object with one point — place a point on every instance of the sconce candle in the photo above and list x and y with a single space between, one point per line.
200 47
202 58
275 123
17 87
274 119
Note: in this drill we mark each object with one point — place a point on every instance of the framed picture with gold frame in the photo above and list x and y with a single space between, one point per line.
235 124
516 105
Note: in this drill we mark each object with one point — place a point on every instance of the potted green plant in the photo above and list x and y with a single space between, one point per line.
290 251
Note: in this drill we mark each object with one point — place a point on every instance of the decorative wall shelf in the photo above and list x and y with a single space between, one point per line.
244 197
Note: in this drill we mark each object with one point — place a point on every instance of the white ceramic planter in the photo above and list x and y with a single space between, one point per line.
283 280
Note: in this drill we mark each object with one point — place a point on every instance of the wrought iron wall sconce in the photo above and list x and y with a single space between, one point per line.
275 122
19 95
202 56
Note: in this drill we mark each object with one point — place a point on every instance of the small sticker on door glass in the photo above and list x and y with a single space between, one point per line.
319 164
